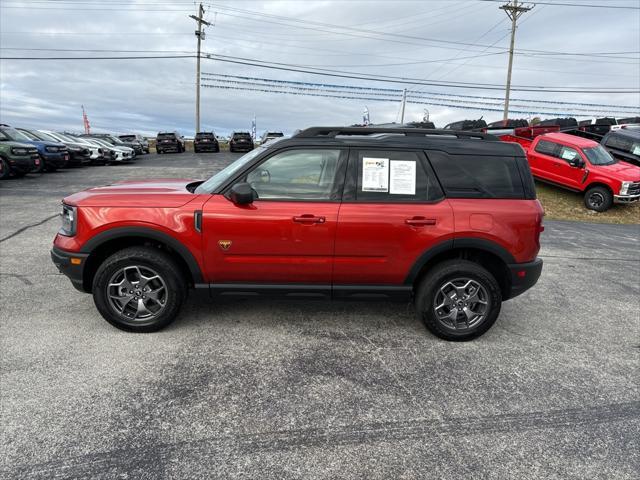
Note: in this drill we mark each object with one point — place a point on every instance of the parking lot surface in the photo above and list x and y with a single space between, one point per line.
285 389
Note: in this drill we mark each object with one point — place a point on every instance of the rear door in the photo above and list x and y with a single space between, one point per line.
543 160
393 210
286 236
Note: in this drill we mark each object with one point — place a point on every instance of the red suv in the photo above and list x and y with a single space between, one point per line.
448 219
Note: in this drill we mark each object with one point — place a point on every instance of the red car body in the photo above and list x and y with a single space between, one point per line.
229 240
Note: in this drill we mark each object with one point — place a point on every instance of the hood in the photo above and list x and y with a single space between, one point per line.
44 143
163 193
623 171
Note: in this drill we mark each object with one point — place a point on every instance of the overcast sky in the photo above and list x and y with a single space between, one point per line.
437 40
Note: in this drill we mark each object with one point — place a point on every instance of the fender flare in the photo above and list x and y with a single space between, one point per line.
456 243
145 232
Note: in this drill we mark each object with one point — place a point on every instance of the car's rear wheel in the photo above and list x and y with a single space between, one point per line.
139 289
5 170
599 199
458 300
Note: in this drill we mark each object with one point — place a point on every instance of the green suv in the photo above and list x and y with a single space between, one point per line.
16 158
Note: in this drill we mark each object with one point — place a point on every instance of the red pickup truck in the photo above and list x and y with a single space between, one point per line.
580 165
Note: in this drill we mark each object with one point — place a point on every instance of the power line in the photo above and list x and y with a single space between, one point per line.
563 4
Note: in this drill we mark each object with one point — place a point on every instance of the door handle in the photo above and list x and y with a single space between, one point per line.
309 218
420 221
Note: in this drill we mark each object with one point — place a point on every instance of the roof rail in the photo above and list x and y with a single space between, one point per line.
332 132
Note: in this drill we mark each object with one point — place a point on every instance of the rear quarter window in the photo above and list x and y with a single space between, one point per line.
471 176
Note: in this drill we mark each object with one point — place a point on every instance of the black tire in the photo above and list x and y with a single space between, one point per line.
452 272
599 199
145 258
5 170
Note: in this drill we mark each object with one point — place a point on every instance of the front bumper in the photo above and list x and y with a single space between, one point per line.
524 276
72 265
23 164
58 160
626 198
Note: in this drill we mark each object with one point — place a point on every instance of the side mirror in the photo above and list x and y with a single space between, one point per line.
241 194
576 162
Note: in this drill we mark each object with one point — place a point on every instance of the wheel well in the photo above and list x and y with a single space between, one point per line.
493 263
598 184
108 248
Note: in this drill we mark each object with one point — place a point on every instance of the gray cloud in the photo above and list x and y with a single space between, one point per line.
151 95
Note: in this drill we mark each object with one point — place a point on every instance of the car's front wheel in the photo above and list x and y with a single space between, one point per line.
139 289
5 170
599 199
458 300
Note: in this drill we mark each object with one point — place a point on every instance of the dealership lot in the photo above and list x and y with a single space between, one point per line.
284 389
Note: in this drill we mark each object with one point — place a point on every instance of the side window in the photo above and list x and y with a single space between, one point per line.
547 148
297 175
467 176
568 153
394 176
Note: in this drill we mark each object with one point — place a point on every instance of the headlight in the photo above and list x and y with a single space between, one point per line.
625 188
51 149
19 151
69 217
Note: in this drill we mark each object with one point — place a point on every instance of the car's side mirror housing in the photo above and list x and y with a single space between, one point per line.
241 194
576 162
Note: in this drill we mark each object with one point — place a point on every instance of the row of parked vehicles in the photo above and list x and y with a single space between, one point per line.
173 142
25 150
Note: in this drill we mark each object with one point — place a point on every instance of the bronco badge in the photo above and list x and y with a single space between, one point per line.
224 244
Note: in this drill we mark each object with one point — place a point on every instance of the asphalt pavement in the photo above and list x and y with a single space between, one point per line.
299 389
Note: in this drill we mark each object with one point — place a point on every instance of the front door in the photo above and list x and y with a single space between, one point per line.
393 211
286 236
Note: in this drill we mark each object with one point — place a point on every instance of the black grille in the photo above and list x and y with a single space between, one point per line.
634 189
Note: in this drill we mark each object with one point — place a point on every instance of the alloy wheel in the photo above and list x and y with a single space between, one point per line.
461 304
137 293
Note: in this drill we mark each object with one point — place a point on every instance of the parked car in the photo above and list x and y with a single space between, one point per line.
79 154
266 136
53 155
509 123
116 142
99 155
205 142
332 212
169 142
16 158
117 153
466 125
241 141
581 165
563 123
133 138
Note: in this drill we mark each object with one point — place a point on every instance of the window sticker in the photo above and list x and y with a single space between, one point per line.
403 177
568 154
636 149
375 174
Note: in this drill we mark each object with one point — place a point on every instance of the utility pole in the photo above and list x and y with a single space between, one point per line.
200 35
404 101
513 11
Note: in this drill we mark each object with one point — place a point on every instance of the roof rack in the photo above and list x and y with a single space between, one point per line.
332 132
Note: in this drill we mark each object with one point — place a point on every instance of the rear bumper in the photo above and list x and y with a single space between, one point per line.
206 147
524 276
73 271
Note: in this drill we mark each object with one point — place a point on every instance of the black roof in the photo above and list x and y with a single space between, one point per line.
626 132
450 141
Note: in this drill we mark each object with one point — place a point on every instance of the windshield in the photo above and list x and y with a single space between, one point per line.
47 136
114 140
204 135
15 135
34 136
128 138
599 156
223 175
102 142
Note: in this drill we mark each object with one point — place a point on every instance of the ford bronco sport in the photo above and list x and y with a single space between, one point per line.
448 219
